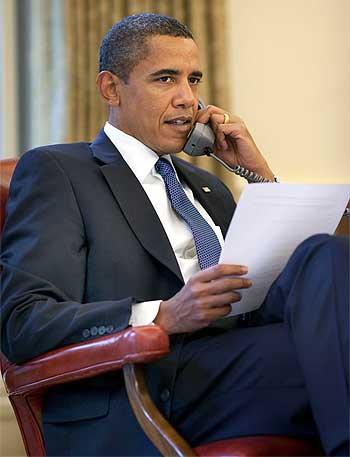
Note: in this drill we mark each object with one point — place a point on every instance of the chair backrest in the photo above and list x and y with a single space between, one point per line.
23 406
7 167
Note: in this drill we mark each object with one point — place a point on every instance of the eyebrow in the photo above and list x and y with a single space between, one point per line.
171 71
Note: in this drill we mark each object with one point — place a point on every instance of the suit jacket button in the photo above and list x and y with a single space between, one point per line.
101 330
165 395
109 328
86 333
94 331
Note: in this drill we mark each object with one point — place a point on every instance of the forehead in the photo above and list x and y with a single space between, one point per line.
171 52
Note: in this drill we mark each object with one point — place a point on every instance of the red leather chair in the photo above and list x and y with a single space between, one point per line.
127 350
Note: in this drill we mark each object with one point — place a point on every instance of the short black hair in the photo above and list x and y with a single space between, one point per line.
125 44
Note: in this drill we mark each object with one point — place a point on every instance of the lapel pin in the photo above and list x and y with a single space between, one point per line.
206 189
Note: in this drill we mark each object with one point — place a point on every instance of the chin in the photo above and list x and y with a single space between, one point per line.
174 148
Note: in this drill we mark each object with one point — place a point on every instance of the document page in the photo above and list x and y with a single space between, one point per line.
270 221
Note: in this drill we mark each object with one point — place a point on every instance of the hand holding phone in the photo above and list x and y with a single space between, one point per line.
203 141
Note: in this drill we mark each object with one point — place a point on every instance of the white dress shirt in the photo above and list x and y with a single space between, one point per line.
141 159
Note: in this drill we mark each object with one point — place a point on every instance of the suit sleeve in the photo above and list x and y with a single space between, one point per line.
44 266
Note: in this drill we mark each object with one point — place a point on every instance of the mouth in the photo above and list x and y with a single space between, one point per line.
182 123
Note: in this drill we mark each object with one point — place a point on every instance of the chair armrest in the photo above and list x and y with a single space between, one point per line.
87 359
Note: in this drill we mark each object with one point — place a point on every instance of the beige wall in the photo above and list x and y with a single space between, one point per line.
290 72
8 80
10 437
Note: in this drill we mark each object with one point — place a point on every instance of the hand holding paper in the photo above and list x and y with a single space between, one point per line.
270 221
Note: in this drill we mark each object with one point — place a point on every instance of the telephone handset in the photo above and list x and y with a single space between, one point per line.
201 141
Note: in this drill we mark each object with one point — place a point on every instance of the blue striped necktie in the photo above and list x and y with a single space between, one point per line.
207 244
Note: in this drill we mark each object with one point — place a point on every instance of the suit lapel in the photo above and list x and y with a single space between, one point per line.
134 203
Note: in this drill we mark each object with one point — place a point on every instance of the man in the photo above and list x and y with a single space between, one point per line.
96 240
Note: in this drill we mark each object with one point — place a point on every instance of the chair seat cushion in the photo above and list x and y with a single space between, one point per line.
259 446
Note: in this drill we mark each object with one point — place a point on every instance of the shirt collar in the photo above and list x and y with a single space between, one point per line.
139 157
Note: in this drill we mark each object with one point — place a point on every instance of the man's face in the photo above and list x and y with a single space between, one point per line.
159 103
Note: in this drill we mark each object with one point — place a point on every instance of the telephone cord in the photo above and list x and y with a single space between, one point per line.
250 176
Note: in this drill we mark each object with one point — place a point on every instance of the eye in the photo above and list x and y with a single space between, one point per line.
194 80
166 79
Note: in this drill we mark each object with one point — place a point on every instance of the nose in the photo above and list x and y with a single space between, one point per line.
184 97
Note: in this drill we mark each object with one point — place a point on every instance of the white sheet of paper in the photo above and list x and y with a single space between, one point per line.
270 221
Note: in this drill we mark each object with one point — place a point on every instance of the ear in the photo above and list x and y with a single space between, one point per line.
108 84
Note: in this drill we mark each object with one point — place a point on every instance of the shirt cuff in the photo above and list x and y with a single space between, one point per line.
144 313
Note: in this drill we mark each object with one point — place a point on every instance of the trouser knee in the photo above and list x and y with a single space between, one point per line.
325 247
317 263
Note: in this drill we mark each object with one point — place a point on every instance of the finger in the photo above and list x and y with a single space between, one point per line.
234 128
220 140
224 299
221 286
220 270
217 119
217 313
204 115
227 134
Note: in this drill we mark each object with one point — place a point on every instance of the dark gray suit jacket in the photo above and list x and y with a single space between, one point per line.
81 244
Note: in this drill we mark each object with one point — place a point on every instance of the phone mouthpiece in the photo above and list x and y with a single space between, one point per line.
200 141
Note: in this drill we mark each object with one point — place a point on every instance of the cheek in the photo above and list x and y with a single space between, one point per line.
150 110
153 117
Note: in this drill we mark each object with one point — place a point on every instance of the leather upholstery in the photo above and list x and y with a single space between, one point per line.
6 171
259 446
84 360
27 383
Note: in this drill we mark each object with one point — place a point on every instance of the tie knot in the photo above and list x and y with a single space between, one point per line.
164 167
